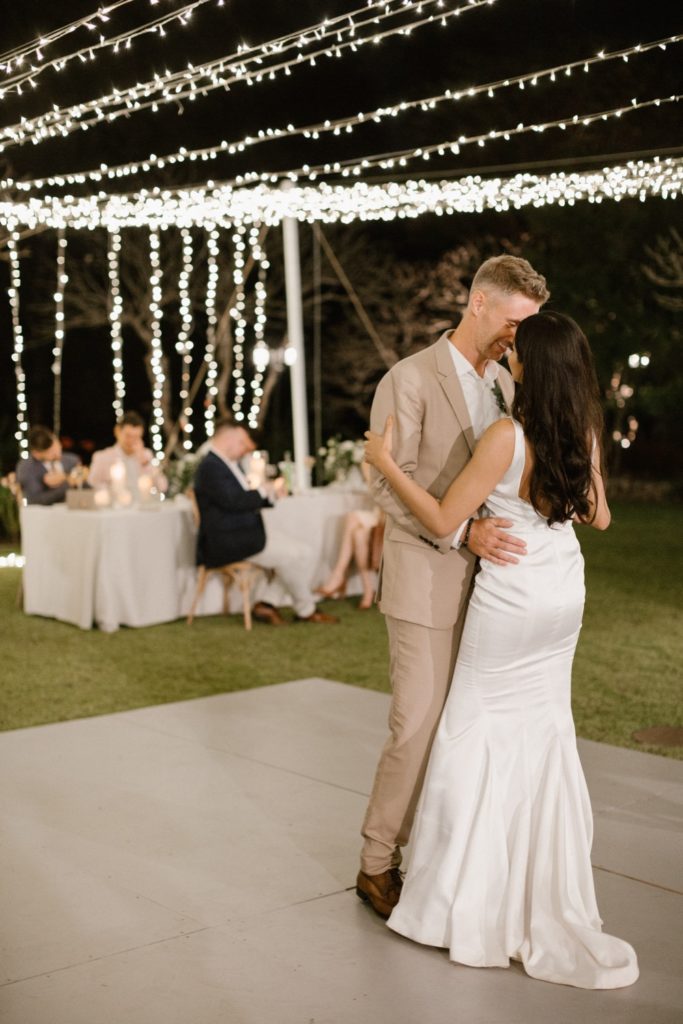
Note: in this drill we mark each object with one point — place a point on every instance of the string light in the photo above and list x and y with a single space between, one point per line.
21 433
261 353
237 314
115 314
12 561
401 158
87 53
173 87
316 131
156 359
184 344
34 49
224 206
58 349
211 322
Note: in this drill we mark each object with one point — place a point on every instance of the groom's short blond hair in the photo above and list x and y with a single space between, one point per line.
510 274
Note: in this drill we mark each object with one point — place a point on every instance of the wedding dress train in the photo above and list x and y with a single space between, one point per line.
500 852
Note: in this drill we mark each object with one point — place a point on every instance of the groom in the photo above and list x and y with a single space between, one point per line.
442 400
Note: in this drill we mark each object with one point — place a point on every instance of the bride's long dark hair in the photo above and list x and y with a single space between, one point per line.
558 405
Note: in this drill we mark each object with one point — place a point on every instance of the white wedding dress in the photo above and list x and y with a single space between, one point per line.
500 852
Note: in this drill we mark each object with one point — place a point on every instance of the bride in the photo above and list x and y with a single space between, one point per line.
500 862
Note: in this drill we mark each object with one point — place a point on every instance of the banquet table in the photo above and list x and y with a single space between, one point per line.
136 566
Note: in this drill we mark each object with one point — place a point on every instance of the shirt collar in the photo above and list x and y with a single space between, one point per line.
464 367
228 462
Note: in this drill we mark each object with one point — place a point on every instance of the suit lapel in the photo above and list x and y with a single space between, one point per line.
448 378
507 386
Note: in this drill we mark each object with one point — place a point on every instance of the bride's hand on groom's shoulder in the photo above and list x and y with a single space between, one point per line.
378 446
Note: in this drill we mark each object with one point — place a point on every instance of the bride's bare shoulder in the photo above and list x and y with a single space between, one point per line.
502 432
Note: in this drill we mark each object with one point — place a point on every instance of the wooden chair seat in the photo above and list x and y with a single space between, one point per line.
244 574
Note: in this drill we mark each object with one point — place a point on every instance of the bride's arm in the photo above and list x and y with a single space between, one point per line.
491 459
601 515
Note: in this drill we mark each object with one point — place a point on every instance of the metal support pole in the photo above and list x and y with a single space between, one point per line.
297 368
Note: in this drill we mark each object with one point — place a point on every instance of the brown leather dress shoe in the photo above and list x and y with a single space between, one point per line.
316 617
380 891
262 612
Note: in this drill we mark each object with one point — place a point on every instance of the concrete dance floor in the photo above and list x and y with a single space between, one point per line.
193 864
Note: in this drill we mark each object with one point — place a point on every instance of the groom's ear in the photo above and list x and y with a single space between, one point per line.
477 300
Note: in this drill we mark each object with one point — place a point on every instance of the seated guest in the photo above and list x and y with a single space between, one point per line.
357 543
231 526
130 451
47 474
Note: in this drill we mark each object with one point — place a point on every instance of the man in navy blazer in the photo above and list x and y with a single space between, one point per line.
46 475
231 526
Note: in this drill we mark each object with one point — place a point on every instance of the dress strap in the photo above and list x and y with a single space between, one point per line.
516 469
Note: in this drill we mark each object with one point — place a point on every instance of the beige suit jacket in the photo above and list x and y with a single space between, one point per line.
422 578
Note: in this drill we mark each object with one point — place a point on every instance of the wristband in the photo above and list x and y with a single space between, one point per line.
466 535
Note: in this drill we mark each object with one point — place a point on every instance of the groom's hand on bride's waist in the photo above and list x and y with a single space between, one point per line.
488 538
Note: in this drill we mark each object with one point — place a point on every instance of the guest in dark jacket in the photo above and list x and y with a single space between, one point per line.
47 474
232 528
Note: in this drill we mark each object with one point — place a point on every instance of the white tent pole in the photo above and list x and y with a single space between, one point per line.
295 334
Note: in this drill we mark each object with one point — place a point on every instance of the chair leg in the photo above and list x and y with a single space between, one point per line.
228 580
245 587
202 577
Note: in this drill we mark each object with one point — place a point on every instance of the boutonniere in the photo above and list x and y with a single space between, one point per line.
500 398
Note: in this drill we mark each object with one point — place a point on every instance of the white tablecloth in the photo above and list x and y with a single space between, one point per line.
136 567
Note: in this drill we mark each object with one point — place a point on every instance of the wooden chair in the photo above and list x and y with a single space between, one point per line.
244 574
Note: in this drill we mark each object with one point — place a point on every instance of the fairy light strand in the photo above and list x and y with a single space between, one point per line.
21 433
260 353
237 314
115 317
28 78
401 158
198 81
58 348
184 344
226 206
156 359
314 132
35 47
211 323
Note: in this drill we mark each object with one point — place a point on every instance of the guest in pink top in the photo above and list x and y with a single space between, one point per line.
130 451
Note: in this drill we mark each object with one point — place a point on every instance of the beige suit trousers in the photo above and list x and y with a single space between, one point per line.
421 666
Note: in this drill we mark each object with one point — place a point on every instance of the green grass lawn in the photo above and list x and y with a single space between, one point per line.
627 671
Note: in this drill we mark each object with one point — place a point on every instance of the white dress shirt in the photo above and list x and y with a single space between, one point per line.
478 391
234 467
238 473
480 401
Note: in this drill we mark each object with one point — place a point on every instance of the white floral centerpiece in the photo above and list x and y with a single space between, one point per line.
341 461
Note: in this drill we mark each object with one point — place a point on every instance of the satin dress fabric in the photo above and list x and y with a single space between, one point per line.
499 867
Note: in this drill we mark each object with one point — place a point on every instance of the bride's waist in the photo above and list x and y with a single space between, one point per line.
529 521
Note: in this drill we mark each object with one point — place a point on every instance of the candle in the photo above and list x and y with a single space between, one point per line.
117 473
257 469
102 498
145 484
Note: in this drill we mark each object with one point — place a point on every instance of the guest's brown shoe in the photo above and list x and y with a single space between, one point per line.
262 612
316 616
380 891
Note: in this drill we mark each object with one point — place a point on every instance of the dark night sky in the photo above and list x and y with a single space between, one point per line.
486 44
482 45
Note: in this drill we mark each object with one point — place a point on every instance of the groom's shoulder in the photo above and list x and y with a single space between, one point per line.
422 361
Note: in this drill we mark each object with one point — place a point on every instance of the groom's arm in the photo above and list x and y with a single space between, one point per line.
400 396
